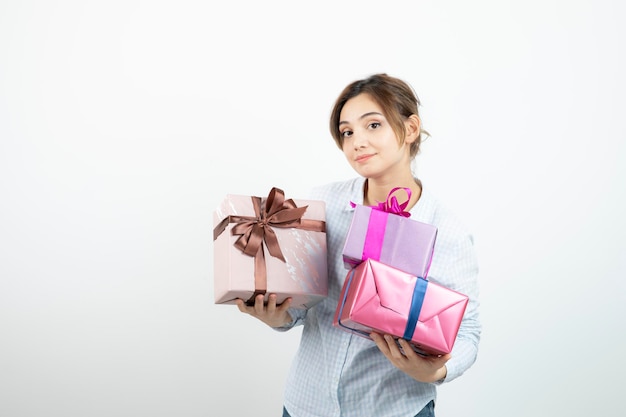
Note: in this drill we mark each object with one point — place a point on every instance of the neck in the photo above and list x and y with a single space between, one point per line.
375 192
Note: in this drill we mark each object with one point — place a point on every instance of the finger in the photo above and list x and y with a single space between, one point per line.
271 304
407 349
442 359
241 305
284 306
380 342
259 307
394 349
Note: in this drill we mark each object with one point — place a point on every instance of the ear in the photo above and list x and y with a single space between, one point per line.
413 127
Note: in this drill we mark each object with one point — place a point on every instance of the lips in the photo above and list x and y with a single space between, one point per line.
363 158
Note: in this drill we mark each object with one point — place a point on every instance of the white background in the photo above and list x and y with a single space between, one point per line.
124 123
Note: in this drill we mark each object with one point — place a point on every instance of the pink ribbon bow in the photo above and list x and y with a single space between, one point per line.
391 205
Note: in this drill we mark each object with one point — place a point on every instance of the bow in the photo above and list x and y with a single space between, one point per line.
276 212
391 205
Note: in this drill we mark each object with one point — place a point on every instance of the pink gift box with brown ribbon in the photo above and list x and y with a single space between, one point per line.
264 245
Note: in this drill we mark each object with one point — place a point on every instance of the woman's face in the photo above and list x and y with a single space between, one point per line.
369 143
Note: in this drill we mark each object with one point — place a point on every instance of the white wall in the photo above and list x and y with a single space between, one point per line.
124 123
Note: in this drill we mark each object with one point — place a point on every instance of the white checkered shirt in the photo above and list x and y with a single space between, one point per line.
336 373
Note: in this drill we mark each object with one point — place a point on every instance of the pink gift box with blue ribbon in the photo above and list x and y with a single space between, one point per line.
377 297
385 233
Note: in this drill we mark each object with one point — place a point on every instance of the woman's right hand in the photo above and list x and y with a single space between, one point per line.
271 314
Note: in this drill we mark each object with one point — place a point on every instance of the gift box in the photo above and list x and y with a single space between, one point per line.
385 233
270 245
377 297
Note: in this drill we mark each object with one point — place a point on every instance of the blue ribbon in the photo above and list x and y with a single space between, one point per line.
416 307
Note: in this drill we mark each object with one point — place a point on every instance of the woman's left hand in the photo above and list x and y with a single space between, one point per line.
421 368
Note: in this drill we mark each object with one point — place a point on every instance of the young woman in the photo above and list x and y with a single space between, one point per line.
375 122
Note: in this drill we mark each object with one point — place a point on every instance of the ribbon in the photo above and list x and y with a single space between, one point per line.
391 205
375 235
419 291
273 211
377 223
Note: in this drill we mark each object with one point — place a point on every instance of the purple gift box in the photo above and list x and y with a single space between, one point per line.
386 234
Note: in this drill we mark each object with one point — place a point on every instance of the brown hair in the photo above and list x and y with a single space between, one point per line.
396 97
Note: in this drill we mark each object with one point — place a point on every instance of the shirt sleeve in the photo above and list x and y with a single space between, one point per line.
462 272
297 315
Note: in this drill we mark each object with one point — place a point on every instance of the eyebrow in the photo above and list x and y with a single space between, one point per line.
372 113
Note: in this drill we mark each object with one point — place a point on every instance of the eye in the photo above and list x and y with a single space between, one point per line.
374 125
346 134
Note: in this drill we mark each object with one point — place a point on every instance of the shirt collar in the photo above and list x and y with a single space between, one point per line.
356 194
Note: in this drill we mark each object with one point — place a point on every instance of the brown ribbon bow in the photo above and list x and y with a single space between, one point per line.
274 211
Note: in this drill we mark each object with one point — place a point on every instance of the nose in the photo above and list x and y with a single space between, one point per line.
358 141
